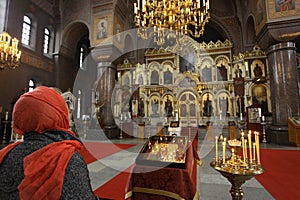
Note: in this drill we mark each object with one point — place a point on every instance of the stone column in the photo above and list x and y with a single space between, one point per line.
106 75
284 89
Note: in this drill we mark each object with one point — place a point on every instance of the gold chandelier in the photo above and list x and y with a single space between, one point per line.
9 53
170 18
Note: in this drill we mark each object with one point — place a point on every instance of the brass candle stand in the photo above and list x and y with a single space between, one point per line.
236 169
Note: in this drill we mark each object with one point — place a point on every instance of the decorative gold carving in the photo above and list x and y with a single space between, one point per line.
218 44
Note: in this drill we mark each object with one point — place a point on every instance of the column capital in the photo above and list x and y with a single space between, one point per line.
281 46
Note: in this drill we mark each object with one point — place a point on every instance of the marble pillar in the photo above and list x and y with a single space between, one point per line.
107 74
284 89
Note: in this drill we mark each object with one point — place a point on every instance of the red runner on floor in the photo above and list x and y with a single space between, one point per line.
93 151
115 188
282 174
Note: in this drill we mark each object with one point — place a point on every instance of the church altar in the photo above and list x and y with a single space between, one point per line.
148 181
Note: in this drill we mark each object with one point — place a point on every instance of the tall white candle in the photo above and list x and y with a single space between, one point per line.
224 150
135 8
246 156
257 148
243 146
254 144
250 146
217 148
233 156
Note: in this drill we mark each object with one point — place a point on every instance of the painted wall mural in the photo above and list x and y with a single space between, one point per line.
283 8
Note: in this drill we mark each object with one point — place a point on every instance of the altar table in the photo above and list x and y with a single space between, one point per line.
156 183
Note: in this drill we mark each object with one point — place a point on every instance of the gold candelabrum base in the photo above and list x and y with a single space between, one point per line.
237 171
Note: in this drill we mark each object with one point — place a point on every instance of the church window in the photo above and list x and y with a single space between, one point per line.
82 53
26 32
31 85
46 40
81 58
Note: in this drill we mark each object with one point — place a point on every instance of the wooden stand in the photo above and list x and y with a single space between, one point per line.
141 130
254 120
232 130
294 131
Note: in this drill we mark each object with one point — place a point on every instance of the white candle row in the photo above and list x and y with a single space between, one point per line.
254 148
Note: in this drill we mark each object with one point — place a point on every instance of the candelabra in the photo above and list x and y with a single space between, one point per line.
238 169
9 53
166 16
264 123
241 122
122 119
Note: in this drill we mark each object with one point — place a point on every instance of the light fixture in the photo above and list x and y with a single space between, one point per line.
9 53
170 19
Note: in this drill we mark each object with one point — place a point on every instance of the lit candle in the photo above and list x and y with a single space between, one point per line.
224 150
233 155
246 156
254 144
250 146
243 146
135 8
223 145
217 148
257 148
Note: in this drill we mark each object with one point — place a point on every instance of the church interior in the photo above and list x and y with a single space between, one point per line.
135 74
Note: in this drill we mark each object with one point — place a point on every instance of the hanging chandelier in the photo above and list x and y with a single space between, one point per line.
9 53
170 19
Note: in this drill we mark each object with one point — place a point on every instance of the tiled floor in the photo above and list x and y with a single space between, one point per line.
210 184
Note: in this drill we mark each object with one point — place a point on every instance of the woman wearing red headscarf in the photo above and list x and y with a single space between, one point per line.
46 165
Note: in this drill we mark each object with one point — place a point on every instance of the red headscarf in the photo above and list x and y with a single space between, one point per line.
41 110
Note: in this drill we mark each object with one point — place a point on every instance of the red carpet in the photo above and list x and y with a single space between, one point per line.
115 188
93 151
282 173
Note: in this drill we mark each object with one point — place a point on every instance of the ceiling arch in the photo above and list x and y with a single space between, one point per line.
72 34
250 33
